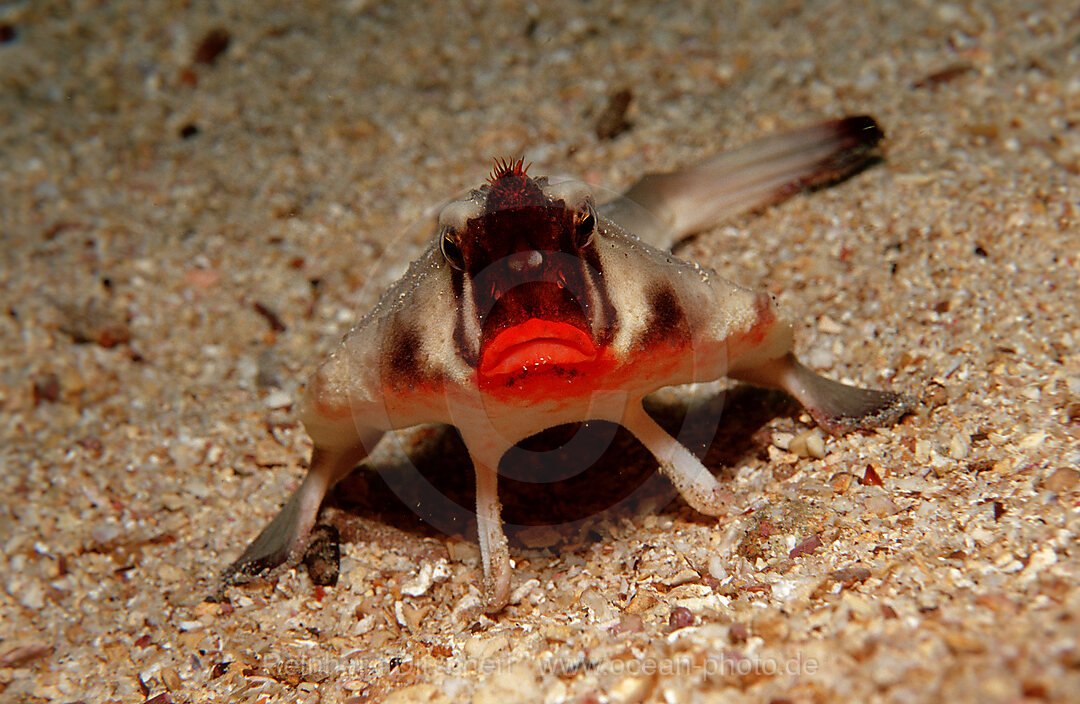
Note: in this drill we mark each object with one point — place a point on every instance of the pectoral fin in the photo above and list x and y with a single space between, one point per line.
838 408
284 539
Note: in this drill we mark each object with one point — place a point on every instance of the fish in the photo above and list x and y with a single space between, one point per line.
536 306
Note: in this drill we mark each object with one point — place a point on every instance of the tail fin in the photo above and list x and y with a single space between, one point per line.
753 176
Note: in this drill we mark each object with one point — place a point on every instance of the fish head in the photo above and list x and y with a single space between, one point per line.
521 251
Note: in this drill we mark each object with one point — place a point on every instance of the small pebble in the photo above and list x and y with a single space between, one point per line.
871 477
596 603
782 440
841 481
464 552
881 505
322 558
631 689
269 453
1062 480
410 616
46 388
421 581
213 45
849 576
680 617
683 576
278 399
629 623
959 446
1033 441
612 121
829 326
806 547
815 445
524 590
809 443
170 679
466 611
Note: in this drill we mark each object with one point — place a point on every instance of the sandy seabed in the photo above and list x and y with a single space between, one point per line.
196 203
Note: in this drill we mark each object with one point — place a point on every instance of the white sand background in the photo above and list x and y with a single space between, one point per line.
147 194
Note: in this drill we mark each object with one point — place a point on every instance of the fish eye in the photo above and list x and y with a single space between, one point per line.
450 250
584 230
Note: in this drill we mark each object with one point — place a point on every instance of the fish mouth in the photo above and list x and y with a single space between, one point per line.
533 327
536 344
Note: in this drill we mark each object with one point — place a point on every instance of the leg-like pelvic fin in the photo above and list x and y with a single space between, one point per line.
494 551
838 408
696 484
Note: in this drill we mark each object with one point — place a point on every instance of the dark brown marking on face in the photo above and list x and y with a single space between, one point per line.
465 348
667 319
403 358
607 311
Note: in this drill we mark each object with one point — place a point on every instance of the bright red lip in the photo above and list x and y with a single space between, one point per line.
536 343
